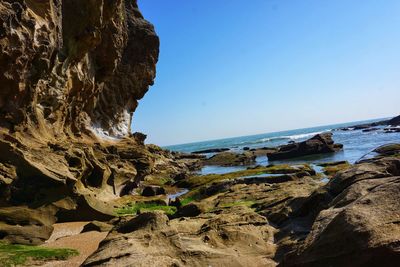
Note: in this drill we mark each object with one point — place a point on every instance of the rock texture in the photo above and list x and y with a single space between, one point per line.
231 159
358 224
261 221
61 74
232 224
321 143
71 75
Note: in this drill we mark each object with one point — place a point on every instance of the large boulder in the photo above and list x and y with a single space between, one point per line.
235 237
320 143
231 159
359 229
23 225
358 220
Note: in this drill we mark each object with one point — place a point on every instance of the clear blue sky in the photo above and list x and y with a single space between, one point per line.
240 67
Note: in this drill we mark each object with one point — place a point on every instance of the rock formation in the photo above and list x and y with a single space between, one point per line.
71 75
358 222
231 159
351 221
320 143
395 121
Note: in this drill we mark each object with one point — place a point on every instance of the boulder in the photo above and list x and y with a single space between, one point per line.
356 224
388 150
320 143
23 225
358 229
231 159
147 220
234 237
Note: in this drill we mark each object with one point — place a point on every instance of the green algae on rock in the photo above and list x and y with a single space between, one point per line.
14 255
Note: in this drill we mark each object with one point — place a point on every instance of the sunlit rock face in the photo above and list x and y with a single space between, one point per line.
71 75
68 66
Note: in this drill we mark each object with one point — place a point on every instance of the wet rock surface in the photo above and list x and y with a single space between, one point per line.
212 150
231 159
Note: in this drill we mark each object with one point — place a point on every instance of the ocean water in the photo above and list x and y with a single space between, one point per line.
356 144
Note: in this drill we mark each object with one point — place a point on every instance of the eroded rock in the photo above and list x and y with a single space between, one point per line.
320 143
69 88
231 159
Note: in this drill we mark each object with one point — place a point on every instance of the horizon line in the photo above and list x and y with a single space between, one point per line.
237 136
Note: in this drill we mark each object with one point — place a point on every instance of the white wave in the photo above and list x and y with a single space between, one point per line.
285 137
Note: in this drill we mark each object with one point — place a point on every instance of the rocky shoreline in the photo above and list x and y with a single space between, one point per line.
73 179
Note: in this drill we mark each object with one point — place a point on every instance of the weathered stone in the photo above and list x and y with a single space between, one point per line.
69 88
357 220
22 225
321 143
231 159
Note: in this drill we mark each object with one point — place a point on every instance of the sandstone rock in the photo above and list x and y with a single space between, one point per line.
385 167
235 238
321 143
231 159
69 88
356 231
148 220
356 225
388 150
22 225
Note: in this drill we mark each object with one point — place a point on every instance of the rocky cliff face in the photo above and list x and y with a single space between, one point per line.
71 75
72 67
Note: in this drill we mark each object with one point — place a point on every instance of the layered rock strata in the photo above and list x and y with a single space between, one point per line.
71 75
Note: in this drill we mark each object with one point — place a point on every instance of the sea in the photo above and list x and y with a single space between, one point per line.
357 144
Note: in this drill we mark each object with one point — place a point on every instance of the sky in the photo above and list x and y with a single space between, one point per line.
238 67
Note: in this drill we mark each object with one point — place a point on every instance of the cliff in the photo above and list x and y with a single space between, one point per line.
71 75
